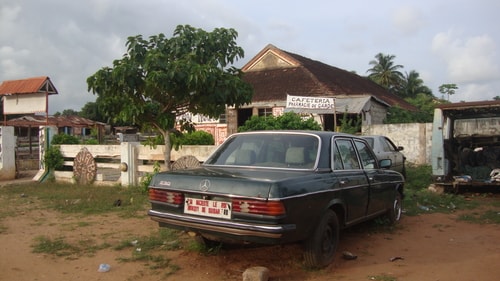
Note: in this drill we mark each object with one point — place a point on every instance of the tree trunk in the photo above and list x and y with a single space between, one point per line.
168 149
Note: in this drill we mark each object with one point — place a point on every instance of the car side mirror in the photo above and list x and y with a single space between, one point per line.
385 163
400 148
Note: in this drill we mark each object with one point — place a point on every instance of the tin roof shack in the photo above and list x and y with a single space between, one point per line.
466 145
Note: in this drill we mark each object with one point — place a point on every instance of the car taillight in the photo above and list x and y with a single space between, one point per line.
166 196
269 208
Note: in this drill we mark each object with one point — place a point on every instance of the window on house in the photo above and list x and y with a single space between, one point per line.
265 111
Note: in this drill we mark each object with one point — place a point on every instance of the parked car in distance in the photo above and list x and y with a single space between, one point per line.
384 148
274 187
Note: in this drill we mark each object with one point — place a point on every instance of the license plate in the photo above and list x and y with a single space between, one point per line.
208 208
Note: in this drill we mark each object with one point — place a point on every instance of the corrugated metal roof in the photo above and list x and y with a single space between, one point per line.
58 121
475 109
32 85
468 105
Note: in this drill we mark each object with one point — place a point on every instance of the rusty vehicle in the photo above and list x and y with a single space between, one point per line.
465 150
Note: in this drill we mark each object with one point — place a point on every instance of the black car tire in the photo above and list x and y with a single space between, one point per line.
394 214
320 247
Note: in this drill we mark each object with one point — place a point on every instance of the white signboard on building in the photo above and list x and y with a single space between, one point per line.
312 104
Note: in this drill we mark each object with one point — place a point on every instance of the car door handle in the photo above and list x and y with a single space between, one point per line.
344 181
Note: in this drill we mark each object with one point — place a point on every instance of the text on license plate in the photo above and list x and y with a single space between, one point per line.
208 208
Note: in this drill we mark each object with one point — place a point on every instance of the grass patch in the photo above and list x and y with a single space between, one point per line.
83 199
144 249
61 248
57 247
486 217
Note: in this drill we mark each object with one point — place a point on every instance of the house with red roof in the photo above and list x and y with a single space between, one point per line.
26 96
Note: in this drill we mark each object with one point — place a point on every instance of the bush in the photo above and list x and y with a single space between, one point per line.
179 139
287 121
65 139
197 138
53 158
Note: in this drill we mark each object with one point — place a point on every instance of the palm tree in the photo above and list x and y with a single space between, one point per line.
412 85
384 72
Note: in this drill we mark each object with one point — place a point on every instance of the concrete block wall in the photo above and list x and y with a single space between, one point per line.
416 138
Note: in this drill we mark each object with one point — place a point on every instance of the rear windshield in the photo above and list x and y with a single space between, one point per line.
269 150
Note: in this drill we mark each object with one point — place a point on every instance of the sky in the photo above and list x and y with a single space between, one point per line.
446 42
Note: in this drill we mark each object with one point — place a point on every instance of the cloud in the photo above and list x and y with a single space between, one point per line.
474 91
471 59
408 20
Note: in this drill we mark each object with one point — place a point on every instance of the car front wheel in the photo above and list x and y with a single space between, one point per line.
321 246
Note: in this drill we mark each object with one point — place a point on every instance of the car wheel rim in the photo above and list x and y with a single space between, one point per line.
397 209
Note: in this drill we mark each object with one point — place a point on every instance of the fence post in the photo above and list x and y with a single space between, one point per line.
128 165
7 153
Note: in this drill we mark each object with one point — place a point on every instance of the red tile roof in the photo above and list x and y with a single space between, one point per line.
306 77
33 85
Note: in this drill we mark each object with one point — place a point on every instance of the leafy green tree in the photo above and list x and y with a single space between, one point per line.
424 102
412 85
448 90
384 72
91 111
160 79
287 121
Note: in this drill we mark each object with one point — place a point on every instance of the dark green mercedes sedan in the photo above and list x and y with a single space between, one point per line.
273 187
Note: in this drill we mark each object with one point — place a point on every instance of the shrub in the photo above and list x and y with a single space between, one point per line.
197 138
287 121
65 139
53 158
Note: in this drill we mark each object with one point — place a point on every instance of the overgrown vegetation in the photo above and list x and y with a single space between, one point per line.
287 121
418 199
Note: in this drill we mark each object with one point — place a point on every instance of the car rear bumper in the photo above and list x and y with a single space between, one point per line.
224 227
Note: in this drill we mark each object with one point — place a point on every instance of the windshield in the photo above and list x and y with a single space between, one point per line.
270 150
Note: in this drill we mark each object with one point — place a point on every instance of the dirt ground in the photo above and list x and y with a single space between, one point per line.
432 247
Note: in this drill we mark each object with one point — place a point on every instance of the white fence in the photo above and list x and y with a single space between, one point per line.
139 159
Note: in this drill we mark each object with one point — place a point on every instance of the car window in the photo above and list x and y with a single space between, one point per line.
337 160
367 159
370 141
272 150
347 154
388 145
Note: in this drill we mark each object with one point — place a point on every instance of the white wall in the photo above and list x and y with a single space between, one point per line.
7 153
416 138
